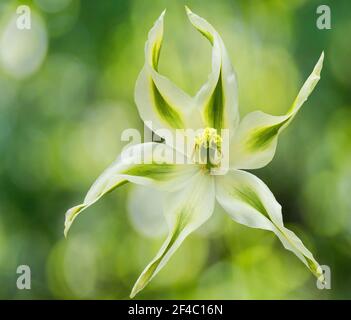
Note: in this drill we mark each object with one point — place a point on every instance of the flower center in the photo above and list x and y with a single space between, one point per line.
207 150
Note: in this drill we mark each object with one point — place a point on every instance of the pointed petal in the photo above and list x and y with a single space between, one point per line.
254 143
249 201
145 164
185 211
218 97
157 98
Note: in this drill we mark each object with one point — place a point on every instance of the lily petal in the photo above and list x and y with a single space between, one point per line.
145 164
250 202
254 143
185 211
218 97
160 101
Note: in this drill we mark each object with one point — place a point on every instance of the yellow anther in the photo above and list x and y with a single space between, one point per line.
207 150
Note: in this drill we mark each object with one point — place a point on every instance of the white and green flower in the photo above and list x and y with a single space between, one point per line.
191 188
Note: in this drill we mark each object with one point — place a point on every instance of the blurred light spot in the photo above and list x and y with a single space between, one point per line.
23 51
79 266
54 271
71 268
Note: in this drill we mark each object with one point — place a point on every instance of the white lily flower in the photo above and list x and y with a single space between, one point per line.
191 189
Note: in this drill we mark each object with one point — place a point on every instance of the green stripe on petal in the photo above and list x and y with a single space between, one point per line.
166 112
159 172
249 201
255 140
156 54
155 171
214 110
159 100
218 97
148 274
185 211
249 196
203 27
262 137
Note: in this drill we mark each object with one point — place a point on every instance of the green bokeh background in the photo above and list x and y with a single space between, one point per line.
60 126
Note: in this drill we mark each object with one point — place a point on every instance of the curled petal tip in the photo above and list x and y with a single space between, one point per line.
188 11
65 232
134 291
319 65
160 19
70 216
322 56
163 13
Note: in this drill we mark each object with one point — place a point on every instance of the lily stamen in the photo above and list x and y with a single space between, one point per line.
208 149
